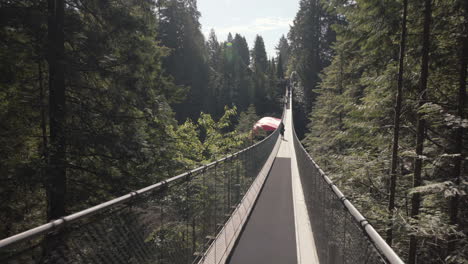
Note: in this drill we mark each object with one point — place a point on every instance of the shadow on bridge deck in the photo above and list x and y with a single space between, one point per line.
279 229
269 235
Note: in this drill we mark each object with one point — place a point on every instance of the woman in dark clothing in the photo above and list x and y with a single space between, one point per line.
282 129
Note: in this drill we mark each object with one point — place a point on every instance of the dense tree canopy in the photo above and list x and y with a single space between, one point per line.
310 51
352 122
99 98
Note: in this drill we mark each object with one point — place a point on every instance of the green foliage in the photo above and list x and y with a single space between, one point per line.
259 57
207 140
189 147
310 42
218 143
187 61
117 104
22 95
351 121
230 81
247 120
132 70
284 51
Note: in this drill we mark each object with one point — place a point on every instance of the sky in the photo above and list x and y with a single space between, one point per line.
268 18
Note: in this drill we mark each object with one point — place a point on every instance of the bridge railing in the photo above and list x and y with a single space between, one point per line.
173 221
342 235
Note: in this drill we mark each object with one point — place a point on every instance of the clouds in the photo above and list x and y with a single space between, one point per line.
270 23
257 26
269 18
270 28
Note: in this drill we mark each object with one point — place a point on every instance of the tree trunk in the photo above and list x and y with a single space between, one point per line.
458 166
396 125
45 138
44 147
56 180
421 127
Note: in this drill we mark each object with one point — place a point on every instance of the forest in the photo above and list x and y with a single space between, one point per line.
384 114
102 97
134 95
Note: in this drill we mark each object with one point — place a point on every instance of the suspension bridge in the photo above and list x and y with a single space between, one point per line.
268 203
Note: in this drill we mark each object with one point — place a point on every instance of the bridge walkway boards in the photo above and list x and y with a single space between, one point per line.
269 235
278 229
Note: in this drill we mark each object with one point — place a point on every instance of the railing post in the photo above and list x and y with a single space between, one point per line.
215 222
205 215
229 184
343 253
188 254
162 231
238 183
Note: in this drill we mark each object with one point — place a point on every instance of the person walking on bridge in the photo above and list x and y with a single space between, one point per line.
282 129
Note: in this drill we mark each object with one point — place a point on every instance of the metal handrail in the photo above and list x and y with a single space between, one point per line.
367 228
59 223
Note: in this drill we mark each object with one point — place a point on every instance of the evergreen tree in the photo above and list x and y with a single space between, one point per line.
310 38
56 170
283 52
242 49
247 120
396 125
23 114
179 27
242 74
230 76
259 57
455 210
118 121
352 122
421 126
279 69
259 67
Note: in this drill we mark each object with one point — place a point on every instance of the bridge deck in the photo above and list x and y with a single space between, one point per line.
269 235
278 230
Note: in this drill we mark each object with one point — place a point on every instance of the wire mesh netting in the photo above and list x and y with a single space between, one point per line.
339 236
172 222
